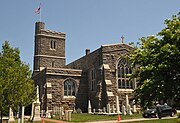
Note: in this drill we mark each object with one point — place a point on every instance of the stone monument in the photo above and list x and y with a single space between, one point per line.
36 110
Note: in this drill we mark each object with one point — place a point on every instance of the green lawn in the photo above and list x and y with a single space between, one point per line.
84 117
94 117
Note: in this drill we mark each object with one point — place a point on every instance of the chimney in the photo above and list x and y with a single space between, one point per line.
39 26
87 51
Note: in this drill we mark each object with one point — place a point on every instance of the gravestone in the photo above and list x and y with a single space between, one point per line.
94 110
89 107
104 109
117 105
48 115
66 115
127 101
113 110
11 116
69 115
134 109
129 110
123 110
108 108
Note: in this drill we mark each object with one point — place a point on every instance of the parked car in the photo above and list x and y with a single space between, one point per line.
165 111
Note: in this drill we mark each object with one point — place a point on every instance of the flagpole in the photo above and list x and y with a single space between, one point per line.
40 13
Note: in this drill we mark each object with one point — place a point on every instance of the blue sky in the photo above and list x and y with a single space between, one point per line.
87 23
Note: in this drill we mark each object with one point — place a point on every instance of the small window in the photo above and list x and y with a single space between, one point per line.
69 88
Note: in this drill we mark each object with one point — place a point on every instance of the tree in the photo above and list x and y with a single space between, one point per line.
16 86
157 63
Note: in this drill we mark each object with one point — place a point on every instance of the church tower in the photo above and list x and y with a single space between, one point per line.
49 48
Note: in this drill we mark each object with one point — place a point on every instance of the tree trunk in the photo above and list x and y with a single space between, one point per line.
1 116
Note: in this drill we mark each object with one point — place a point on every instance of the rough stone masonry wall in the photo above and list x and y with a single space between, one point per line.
111 56
87 63
44 55
44 44
48 55
56 78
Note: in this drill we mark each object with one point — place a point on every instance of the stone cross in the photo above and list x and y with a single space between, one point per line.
122 39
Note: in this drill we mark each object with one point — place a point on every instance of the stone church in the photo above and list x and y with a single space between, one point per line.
98 76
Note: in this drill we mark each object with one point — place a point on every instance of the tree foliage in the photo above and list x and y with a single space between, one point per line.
157 65
16 86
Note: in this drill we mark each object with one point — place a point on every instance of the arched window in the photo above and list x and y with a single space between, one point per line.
124 69
69 88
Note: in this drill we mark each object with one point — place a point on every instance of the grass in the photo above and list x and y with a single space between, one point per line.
84 117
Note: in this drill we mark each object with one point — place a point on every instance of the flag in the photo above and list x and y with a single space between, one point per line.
38 10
